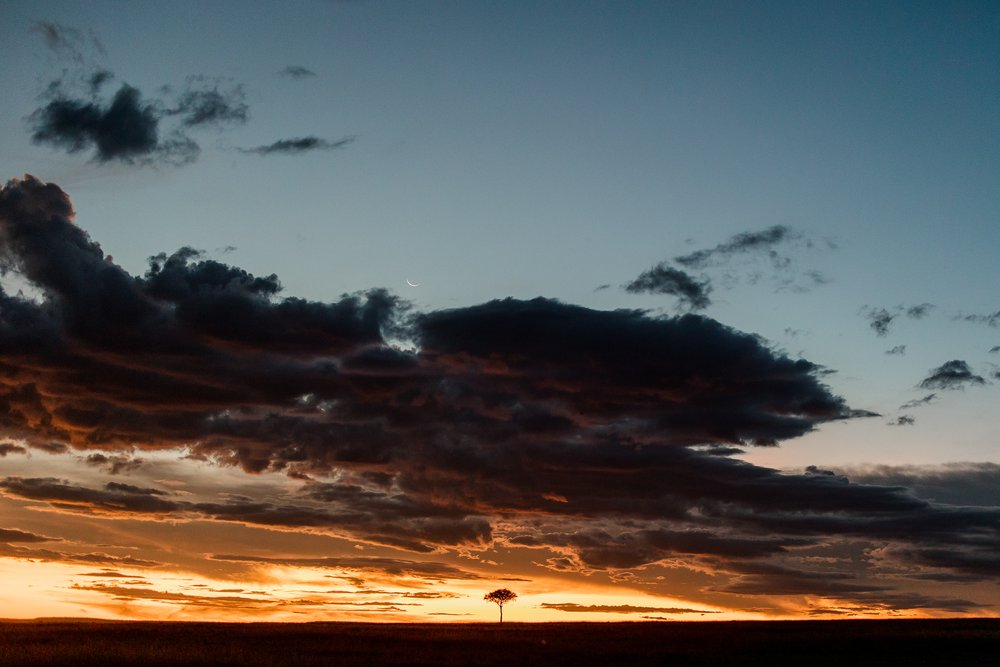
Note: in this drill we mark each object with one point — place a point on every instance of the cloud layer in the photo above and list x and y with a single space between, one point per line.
600 439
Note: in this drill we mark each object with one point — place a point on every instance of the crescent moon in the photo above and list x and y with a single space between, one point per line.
412 284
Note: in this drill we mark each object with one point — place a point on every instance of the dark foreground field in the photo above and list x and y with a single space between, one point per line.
842 643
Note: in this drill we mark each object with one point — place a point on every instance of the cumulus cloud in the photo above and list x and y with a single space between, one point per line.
954 374
299 145
601 438
663 279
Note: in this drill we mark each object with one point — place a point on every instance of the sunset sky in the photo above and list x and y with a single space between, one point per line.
359 310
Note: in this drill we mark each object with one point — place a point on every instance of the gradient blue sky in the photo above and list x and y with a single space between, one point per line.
551 148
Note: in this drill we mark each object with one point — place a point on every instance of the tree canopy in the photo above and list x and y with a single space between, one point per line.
501 596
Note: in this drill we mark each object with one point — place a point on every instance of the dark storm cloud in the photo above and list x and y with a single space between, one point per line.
746 242
621 609
8 448
299 145
954 374
663 279
770 579
954 484
297 72
599 437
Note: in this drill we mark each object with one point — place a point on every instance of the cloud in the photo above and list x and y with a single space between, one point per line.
995 349
202 103
954 374
989 319
663 279
602 439
897 350
745 242
881 319
127 127
917 402
90 558
431 570
919 311
903 420
67 42
297 72
693 293
621 609
9 448
299 145
50 447
953 483
8 535
115 463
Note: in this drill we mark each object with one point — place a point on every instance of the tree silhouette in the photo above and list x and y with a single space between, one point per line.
501 596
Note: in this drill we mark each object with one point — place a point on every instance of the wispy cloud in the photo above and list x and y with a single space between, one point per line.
881 319
621 609
297 72
299 145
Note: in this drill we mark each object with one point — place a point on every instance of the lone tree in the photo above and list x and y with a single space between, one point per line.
501 596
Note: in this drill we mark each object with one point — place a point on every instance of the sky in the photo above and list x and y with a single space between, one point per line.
360 310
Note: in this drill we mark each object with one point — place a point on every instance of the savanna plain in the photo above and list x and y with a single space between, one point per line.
956 642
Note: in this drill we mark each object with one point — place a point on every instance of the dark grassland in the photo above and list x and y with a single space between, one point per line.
843 643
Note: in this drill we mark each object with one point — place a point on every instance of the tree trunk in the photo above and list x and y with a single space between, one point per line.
501 614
